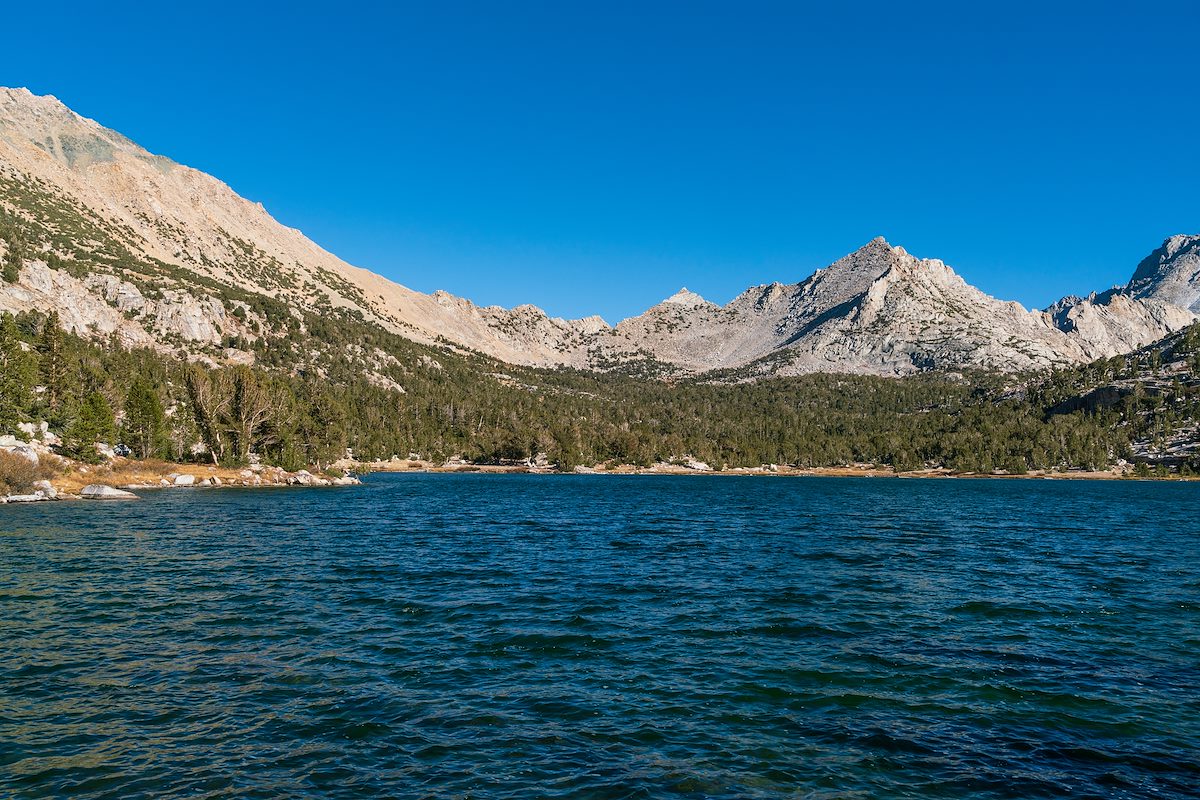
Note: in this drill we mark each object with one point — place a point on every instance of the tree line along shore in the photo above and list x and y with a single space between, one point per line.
65 395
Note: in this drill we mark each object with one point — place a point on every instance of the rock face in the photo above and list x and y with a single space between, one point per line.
135 246
1114 322
1170 274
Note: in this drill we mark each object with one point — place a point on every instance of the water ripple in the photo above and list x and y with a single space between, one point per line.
593 637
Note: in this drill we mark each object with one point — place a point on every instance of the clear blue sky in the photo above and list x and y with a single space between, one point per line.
592 157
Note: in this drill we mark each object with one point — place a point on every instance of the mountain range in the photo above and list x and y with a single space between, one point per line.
123 243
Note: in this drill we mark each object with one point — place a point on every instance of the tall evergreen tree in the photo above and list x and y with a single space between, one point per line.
142 428
52 362
93 423
18 371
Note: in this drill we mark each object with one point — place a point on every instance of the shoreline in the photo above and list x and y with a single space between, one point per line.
1113 474
126 475
115 479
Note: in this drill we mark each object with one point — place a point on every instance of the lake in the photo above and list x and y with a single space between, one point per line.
476 636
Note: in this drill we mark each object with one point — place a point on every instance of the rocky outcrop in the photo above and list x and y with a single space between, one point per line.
105 305
1170 274
1112 323
99 491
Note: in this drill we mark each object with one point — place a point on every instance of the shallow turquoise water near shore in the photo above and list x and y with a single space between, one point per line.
472 636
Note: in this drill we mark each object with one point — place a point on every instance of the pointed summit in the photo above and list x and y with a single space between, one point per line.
687 298
851 275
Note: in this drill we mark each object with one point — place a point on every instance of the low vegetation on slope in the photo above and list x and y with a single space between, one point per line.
442 402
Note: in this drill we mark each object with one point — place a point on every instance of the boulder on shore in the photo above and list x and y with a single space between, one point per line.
98 491
46 489
26 498
185 480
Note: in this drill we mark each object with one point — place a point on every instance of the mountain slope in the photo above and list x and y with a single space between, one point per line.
1170 274
128 244
90 193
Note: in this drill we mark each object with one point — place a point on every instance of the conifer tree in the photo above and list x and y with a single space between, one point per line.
93 423
52 363
144 421
18 371
14 255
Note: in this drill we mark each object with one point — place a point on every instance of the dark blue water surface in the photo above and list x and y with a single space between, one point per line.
469 636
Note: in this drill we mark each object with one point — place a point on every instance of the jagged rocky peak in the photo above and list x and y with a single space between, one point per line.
852 275
1171 273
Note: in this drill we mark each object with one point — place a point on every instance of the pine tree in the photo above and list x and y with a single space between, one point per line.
14 256
52 363
92 423
144 421
18 371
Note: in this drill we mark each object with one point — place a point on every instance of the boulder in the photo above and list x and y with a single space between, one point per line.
26 452
98 491
26 498
185 480
44 488
215 480
303 478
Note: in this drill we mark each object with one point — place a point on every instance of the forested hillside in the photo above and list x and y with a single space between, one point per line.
441 402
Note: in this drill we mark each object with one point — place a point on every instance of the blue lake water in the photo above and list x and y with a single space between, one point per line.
469 636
